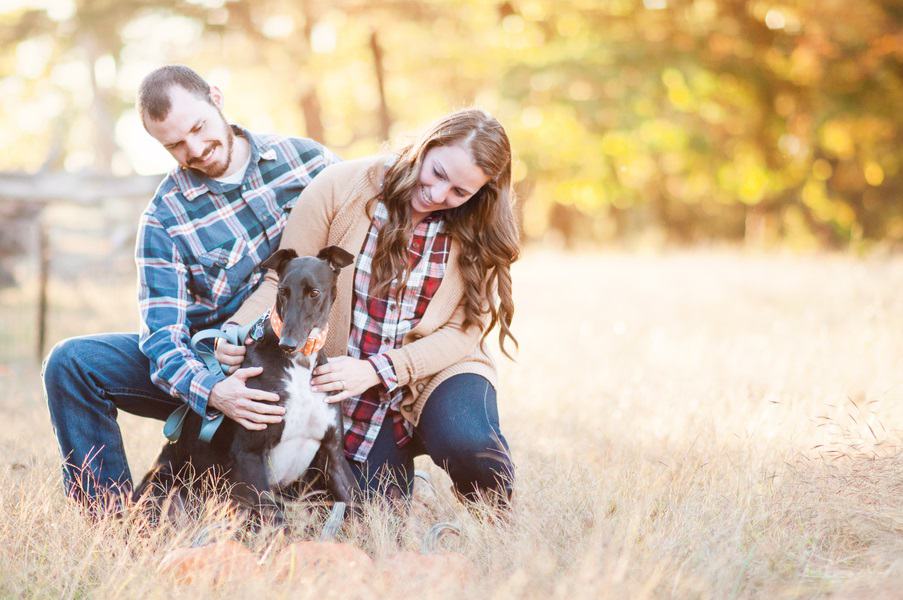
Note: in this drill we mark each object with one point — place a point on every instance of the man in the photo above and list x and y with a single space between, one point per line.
212 221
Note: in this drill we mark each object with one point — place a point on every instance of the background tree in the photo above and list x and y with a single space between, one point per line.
683 120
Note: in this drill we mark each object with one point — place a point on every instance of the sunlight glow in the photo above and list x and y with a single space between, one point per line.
74 76
33 56
323 38
208 3
105 71
57 10
655 4
278 27
143 152
60 10
774 19
531 117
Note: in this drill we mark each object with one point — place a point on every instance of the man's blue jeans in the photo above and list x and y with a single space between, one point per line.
87 380
459 430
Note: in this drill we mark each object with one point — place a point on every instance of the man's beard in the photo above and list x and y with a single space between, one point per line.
215 170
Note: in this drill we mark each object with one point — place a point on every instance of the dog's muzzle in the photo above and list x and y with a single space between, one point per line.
316 339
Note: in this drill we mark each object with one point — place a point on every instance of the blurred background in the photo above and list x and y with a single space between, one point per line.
635 123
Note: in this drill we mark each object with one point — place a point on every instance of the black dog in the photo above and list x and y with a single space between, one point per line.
255 462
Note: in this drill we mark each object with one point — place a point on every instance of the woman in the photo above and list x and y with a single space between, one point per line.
434 237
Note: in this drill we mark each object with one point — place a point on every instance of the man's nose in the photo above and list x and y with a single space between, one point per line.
194 146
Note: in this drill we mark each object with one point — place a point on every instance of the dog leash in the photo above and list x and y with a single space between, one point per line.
172 429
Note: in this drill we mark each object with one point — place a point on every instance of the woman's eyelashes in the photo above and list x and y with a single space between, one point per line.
457 191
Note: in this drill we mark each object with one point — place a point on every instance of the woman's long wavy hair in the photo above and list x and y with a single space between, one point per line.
484 227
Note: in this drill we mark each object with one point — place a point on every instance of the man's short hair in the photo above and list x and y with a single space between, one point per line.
153 94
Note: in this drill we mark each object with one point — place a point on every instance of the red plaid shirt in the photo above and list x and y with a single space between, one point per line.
380 324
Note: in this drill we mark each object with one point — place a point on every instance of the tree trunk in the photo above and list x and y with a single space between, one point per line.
310 100
101 111
385 121
313 121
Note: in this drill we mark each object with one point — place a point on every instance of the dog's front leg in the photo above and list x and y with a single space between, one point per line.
251 487
340 480
157 485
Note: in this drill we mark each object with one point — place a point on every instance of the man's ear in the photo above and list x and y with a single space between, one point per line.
216 96
279 259
336 257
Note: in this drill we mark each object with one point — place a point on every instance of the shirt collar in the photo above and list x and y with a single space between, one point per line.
435 215
192 184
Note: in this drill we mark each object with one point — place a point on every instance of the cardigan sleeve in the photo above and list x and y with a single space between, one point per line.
306 232
447 345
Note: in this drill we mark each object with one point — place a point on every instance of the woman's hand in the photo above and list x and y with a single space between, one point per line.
345 375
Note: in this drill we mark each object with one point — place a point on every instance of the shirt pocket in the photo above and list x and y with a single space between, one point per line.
224 269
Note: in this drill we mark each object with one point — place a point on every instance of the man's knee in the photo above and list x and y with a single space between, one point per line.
71 367
60 360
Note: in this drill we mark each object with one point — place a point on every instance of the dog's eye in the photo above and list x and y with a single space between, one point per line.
314 293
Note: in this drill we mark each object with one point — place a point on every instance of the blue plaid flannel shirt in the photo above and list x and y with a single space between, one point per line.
198 249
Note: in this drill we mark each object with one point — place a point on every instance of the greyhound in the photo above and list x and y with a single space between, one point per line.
253 463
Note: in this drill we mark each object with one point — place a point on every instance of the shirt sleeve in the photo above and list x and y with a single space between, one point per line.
314 157
164 336
385 370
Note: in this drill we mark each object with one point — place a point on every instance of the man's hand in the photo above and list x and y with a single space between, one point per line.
246 406
227 354
346 375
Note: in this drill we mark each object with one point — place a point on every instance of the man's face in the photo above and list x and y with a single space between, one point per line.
195 132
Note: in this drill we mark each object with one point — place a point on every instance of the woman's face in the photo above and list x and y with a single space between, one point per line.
448 179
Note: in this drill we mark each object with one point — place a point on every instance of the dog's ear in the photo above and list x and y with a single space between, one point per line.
336 257
279 259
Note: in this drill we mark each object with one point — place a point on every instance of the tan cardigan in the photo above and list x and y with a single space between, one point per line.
332 211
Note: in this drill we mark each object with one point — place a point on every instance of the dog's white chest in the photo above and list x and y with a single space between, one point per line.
307 418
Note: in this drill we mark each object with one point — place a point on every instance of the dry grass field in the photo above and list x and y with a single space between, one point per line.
688 425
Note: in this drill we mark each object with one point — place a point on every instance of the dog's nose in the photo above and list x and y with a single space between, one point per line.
288 344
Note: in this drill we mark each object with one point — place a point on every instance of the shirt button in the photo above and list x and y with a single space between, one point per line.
420 387
407 407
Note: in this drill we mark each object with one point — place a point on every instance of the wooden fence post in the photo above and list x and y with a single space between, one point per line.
39 190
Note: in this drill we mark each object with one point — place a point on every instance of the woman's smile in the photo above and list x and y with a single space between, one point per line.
448 179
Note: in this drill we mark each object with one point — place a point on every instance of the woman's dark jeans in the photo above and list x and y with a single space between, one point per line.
459 430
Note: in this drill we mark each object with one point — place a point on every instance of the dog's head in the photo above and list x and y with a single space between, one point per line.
307 289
